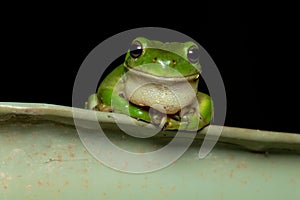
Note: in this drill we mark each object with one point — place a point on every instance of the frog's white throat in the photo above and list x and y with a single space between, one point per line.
166 94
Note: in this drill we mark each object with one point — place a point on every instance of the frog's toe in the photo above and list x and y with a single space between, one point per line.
92 102
157 118
105 108
190 122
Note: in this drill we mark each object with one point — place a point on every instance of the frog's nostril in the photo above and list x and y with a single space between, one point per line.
154 59
174 62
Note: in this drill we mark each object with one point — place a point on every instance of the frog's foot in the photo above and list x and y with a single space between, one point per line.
92 102
191 117
190 122
157 118
105 108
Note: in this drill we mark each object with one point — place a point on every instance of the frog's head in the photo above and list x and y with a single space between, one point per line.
168 60
164 76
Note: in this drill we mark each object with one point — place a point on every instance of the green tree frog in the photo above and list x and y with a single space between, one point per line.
157 83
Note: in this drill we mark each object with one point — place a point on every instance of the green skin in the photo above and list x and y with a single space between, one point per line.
158 61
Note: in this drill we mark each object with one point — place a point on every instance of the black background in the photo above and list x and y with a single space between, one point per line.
43 48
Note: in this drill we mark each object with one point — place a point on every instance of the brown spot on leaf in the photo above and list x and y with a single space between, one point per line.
59 157
85 170
40 183
71 146
71 155
241 165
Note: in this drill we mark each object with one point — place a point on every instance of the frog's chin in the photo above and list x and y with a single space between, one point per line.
170 93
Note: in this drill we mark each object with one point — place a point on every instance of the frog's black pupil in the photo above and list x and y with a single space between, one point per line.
193 54
136 50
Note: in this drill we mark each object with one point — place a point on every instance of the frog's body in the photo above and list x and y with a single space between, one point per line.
161 76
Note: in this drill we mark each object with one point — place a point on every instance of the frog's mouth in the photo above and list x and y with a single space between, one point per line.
173 76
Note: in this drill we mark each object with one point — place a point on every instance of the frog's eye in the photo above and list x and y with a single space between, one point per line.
193 54
136 49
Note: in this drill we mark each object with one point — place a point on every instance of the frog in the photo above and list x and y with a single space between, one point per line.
158 84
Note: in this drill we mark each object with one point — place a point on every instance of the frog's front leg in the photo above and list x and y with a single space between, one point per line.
108 101
194 116
111 102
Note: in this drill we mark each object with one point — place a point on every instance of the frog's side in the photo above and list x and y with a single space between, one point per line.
161 76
